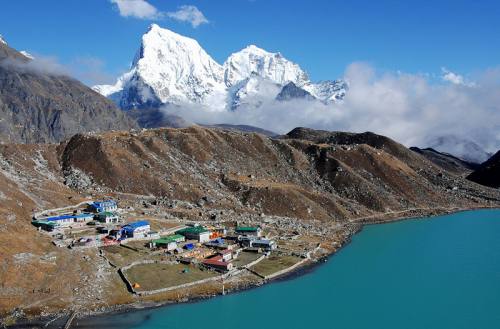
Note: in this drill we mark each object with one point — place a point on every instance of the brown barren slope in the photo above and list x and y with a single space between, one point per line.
307 177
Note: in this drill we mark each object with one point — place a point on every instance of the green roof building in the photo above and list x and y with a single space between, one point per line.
168 242
171 238
195 233
108 217
248 230
45 225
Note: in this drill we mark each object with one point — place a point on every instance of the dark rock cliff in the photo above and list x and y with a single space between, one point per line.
488 173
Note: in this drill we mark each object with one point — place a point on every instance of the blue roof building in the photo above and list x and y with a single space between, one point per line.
74 218
105 205
63 220
133 229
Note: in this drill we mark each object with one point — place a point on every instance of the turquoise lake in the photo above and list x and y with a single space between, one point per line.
441 272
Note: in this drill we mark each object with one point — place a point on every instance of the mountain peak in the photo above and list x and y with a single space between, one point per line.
173 69
255 49
291 91
259 51
155 29
2 40
153 26
272 66
168 68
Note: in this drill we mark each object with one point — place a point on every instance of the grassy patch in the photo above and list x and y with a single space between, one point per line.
121 256
273 264
139 245
245 258
156 276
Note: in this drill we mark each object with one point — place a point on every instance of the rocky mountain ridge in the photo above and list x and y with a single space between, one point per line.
488 173
37 106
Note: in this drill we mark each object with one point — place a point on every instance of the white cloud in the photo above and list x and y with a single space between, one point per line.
455 78
90 70
87 69
136 8
39 65
144 10
189 14
408 108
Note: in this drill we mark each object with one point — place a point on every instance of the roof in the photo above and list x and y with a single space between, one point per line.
63 217
43 222
264 241
168 239
137 224
247 228
192 230
104 203
215 261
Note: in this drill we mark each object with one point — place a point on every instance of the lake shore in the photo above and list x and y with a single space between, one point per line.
56 320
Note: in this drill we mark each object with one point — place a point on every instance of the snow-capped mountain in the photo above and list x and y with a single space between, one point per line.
168 68
271 66
327 91
252 91
292 91
275 68
172 69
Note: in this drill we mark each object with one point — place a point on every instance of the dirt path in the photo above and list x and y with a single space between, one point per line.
400 212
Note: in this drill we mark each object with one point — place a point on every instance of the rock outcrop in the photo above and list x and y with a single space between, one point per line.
488 173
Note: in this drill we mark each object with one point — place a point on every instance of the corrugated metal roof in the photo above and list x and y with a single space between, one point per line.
215 261
104 203
63 217
135 225
168 239
192 230
43 222
247 228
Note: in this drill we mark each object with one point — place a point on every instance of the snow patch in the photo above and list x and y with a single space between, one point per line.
27 54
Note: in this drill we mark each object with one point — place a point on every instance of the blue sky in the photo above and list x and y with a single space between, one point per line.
323 36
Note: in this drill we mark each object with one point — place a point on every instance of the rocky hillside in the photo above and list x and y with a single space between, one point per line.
488 173
37 106
447 161
304 178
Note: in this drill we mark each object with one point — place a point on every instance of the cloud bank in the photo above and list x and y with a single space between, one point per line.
87 69
38 65
406 107
142 9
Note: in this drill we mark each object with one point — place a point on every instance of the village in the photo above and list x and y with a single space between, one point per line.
153 256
